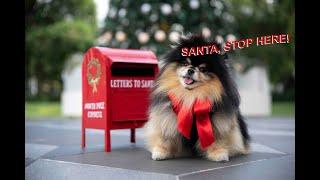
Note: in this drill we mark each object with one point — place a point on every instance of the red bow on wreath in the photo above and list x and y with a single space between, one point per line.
201 110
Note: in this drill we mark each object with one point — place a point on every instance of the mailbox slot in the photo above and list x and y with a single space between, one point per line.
126 71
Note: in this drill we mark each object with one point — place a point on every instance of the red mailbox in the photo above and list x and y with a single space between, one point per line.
115 90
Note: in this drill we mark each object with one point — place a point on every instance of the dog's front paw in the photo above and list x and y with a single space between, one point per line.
158 155
219 155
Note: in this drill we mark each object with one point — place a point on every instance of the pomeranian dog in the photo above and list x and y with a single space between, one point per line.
194 107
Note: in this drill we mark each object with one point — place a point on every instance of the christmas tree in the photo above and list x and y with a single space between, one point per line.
155 25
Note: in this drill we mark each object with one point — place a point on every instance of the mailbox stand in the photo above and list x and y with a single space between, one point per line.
115 90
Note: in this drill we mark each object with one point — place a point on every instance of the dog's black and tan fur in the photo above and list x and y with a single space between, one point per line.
209 77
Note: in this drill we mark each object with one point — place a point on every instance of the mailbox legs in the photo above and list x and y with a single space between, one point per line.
83 142
133 135
107 140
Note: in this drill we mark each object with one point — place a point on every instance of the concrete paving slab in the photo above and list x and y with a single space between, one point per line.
55 170
133 164
34 151
28 161
140 159
281 168
272 155
256 147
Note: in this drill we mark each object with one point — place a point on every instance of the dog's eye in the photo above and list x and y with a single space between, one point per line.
203 69
185 64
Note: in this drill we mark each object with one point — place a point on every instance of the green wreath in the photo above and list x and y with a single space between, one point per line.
93 80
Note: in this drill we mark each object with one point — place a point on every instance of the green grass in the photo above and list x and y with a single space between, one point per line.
53 109
42 109
283 109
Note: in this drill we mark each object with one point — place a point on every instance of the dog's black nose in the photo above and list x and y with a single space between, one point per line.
190 71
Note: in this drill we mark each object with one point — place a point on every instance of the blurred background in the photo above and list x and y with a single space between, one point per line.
58 32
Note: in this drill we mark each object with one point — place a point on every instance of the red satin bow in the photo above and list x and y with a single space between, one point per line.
201 110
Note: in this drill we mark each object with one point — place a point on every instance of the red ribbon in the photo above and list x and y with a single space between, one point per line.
201 110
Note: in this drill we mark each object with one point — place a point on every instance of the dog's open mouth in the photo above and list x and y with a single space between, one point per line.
188 80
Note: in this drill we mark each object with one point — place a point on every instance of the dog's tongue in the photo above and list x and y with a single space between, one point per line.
188 80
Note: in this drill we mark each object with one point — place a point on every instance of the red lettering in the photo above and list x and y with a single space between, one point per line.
184 51
200 50
243 44
192 52
283 38
227 47
207 49
275 38
249 42
214 49
260 41
267 40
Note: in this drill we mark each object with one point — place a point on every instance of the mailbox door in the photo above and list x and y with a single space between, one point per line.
94 90
130 88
